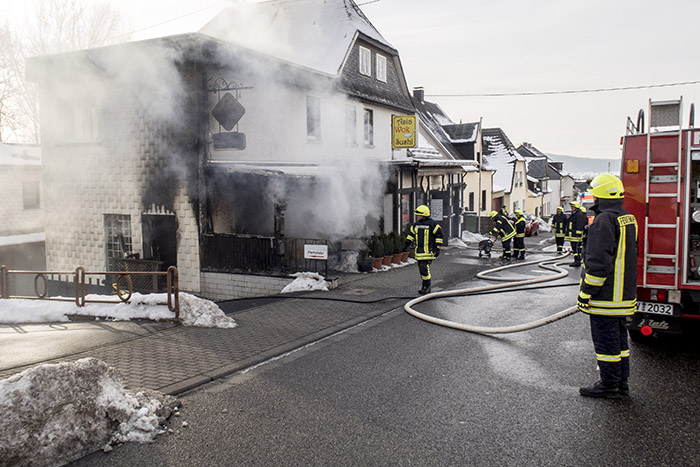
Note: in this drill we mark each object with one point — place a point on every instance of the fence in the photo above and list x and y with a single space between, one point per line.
41 285
252 253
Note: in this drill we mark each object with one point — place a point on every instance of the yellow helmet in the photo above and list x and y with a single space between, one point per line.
519 212
422 210
583 209
560 209
607 186
492 214
575 204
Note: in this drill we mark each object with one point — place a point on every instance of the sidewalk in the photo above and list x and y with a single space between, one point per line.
174 359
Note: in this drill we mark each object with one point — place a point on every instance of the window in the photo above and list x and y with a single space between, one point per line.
31 192
83 122
313 118
381 68
350 125
365 61
117 236
471 201
369 127
483 199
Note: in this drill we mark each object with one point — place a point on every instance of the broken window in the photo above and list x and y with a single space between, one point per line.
369 127
117 236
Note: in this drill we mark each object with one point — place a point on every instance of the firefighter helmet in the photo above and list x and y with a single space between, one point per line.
607 186
575 204
518 212
422 210
560 209
492 214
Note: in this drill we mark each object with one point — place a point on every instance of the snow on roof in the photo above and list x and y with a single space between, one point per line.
20 154
462 132
501 155
313 33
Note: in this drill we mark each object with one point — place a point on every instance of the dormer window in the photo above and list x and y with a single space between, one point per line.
365 61
381 68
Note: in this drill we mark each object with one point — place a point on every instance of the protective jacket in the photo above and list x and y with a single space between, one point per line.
559 224
503 229
426 234
575 225
520 227
610 261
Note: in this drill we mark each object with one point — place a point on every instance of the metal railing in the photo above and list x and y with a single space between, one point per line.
41 285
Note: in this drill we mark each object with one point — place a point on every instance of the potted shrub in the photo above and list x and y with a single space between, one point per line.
396 246
388 244
402 240
376 250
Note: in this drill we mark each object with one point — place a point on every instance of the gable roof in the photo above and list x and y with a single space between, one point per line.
313 33
500 154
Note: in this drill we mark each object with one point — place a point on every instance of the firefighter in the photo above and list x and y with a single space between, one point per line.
559 224
503 230
426 234
574 231
609 285
519 242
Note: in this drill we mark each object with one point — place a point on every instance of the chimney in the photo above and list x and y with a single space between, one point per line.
418 93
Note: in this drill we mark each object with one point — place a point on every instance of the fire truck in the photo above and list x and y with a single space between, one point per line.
661 174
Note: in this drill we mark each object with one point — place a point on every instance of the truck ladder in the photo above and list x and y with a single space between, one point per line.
660 190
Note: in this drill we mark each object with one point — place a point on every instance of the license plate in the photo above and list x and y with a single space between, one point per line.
655 308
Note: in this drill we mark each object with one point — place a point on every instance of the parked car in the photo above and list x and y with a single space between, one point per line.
532 225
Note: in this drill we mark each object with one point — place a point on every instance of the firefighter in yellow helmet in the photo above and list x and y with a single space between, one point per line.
609 285
426 234
559 225
575 225
503 230
519 241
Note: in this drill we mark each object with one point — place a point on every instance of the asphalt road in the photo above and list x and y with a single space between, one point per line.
400 391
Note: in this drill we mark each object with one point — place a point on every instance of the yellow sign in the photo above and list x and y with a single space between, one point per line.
403 131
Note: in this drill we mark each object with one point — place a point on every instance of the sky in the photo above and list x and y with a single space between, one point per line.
460 50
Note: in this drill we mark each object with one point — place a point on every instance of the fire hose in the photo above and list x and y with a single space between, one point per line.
549 264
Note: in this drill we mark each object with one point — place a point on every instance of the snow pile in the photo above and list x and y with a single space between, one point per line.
306 281
456 242
471 237
544 226
194 311
52 414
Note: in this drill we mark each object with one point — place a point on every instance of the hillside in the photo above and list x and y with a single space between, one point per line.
586 167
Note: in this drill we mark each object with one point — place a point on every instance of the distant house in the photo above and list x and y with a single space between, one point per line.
458 146
224 155
21 201
510 177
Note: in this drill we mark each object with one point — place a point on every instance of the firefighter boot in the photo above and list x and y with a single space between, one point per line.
601 389
425 289
624 388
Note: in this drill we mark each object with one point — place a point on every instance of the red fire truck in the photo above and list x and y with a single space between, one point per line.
661 174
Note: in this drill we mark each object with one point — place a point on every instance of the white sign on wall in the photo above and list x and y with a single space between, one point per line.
315 251
436 209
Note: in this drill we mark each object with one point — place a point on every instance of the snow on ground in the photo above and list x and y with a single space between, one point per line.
544 226
306 281
471 237
194 311
55 413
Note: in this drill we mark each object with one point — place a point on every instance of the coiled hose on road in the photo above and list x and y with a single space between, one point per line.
549 264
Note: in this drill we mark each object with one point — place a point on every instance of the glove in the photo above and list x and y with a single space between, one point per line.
583 299
406 245
437 252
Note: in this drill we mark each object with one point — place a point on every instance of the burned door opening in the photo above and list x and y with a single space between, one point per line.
160 239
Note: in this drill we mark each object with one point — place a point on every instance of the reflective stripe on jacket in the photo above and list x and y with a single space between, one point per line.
503 229
610 261
520 227
574 226
426 234
559 224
